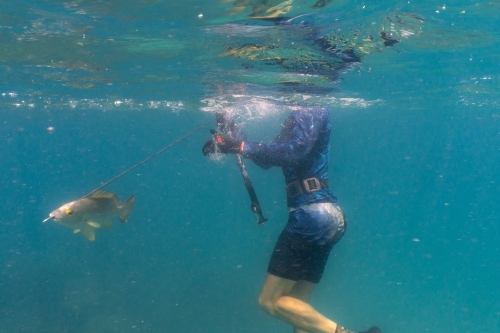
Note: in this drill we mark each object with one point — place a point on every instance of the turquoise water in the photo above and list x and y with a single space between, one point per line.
415 154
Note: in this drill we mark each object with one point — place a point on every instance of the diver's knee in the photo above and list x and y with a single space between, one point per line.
266 305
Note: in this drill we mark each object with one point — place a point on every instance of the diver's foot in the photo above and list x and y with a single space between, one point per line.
373 329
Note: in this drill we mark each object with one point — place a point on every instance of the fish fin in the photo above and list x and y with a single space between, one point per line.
107 224
89 234
93 224
75 231
99 194
126 208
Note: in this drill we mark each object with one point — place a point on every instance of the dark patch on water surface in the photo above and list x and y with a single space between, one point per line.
388 39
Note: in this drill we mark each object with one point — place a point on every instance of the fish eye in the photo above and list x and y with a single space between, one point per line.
69 212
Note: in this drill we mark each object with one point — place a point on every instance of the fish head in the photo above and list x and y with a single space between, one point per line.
63 215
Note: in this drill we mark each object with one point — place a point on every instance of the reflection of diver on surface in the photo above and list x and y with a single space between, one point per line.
292 54
315 222
339 47
310 51
272 8
304 53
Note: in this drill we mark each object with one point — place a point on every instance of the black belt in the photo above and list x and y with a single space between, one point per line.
308 185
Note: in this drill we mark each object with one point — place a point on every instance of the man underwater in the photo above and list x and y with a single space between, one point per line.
315 221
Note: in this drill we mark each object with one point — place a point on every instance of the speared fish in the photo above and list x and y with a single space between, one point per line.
92 212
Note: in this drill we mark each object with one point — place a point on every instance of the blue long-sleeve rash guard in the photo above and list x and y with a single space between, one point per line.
301 150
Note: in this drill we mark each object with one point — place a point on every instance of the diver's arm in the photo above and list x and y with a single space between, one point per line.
302 136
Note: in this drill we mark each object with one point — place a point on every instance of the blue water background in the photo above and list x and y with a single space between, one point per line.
415 170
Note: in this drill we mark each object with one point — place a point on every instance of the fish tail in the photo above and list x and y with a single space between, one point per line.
126 208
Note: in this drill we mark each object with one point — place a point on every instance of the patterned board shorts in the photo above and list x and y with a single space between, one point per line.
303 247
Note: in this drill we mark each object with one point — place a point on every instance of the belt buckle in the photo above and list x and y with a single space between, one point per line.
294 189
311 185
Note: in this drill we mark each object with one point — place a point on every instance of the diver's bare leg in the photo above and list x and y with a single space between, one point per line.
275 299
302 290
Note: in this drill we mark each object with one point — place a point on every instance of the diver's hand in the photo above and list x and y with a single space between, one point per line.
222 144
